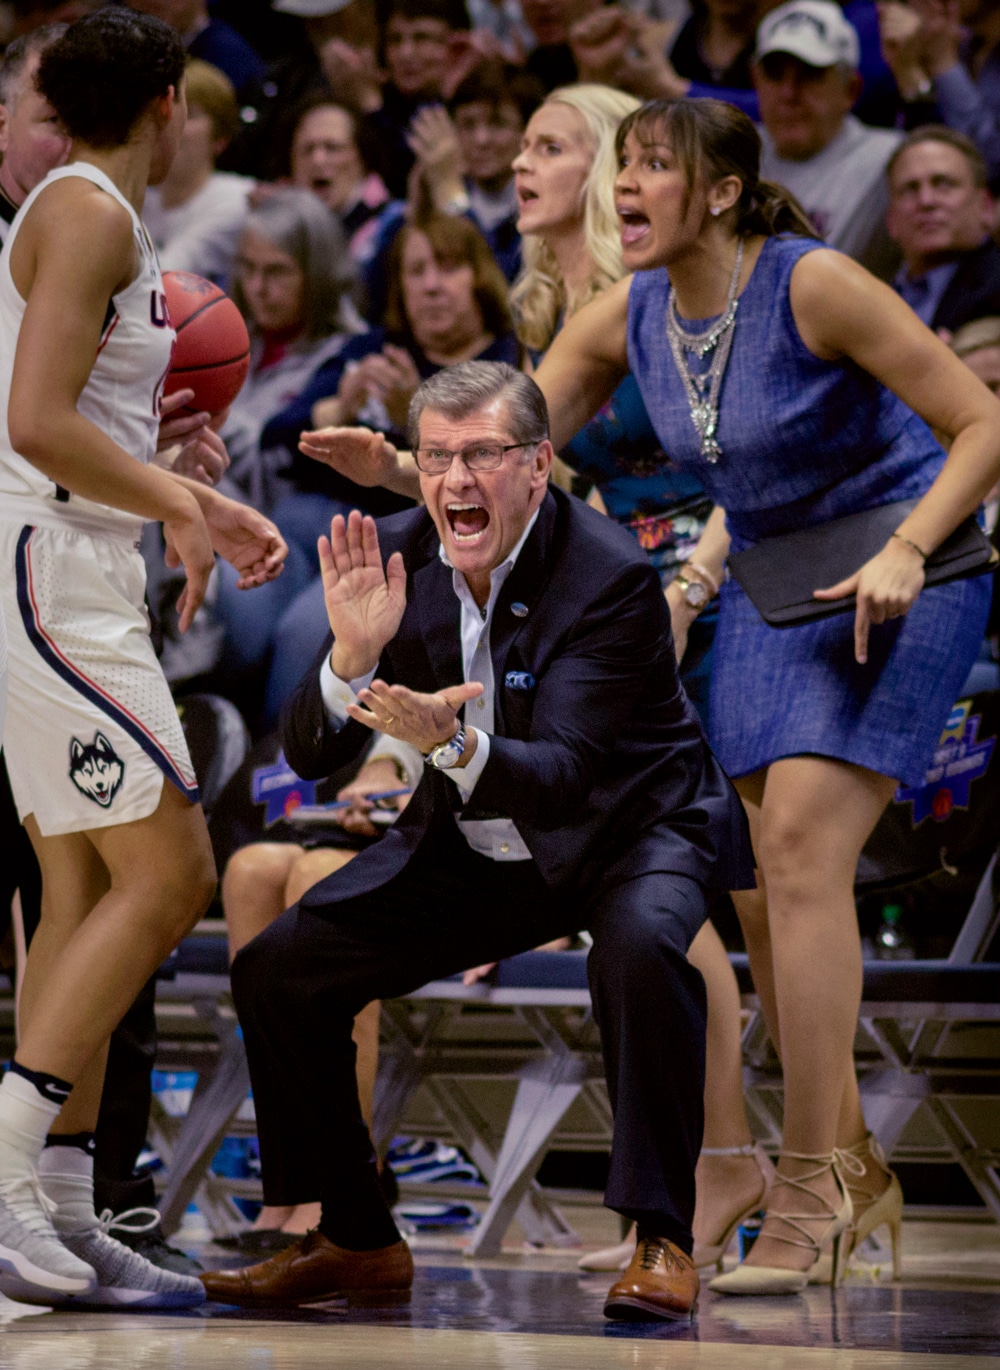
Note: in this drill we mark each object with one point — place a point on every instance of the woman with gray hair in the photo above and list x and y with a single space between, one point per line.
293 282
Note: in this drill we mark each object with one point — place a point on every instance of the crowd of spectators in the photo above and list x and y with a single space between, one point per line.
348 174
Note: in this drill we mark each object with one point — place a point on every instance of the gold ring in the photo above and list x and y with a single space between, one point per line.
391 719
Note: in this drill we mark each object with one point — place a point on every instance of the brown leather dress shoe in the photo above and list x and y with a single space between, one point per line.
660 1282
313 1271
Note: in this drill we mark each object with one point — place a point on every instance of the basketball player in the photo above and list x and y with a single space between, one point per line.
92 735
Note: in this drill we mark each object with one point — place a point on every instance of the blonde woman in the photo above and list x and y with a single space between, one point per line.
564 175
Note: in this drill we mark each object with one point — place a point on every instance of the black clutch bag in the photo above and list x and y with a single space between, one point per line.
780 574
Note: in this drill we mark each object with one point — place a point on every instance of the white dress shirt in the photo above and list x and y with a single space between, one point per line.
497 838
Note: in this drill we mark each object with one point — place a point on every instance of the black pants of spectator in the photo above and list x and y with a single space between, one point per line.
300 983
123 1120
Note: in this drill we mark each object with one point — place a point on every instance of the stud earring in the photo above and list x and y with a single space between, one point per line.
716 210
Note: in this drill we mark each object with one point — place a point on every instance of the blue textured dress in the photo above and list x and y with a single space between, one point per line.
805 441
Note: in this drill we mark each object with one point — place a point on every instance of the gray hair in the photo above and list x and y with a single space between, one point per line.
459 391
300 224
18 54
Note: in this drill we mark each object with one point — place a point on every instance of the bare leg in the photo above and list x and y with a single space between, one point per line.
115 902
253 889
726 1185
815 818
751 905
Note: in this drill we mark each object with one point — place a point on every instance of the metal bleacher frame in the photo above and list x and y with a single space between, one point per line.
530 1030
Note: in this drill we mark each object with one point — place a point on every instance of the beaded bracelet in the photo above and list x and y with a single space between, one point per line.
919 551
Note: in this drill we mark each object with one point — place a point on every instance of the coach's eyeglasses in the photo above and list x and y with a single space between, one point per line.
481 456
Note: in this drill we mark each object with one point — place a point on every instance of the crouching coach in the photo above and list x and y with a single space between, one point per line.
521 641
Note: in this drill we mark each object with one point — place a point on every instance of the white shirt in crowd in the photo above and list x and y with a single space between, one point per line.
844 190
200 235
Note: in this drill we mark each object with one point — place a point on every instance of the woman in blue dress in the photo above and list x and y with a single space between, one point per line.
798 389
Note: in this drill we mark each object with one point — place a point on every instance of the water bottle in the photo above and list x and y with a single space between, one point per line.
891 941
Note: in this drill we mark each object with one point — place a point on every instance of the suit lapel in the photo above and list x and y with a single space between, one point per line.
523 587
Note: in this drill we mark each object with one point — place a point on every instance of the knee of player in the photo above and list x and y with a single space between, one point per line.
183 892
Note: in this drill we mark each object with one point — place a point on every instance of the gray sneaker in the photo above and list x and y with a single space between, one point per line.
125 1279
35 1266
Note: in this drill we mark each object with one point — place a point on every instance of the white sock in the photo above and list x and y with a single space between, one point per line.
67 1177
25 1118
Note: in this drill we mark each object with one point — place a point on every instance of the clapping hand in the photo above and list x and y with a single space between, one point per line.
423 720
886 587
364 603
434 143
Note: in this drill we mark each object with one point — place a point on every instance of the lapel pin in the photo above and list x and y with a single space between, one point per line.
518 609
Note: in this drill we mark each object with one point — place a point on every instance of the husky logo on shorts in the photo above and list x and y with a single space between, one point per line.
96 769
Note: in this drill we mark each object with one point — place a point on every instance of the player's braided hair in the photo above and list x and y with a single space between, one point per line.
105 71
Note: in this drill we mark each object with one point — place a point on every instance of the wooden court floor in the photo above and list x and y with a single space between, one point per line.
535 1311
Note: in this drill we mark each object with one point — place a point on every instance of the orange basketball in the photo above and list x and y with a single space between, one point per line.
212 353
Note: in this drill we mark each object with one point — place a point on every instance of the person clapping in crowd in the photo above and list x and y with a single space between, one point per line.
465 155
945 56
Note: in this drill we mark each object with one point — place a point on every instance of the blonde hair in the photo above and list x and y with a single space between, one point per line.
211 90
539 297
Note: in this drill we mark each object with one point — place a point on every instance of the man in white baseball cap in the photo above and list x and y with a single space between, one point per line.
806 74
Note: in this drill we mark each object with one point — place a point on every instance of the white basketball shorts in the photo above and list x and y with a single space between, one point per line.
91 727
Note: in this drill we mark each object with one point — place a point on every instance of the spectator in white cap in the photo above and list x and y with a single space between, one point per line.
806 74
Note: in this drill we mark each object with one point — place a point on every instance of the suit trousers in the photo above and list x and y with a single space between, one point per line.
300 983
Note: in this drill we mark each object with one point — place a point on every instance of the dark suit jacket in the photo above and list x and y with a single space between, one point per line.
974 290
601 762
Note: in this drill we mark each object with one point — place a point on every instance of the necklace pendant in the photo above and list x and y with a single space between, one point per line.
704 421
710 450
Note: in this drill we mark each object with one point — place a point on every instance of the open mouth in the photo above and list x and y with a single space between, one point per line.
468 522
525 195
635 226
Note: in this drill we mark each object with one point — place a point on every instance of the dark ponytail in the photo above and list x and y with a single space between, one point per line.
769 209
713 140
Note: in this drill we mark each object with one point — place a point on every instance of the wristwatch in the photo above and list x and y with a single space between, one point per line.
695 594
447 754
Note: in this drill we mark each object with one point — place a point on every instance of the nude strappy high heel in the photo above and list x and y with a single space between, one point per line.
885 1211
711 1253
610 1257
765 1279
618 1257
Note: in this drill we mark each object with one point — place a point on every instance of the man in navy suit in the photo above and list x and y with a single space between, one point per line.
521 641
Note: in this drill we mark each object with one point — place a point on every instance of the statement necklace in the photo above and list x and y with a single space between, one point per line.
703 388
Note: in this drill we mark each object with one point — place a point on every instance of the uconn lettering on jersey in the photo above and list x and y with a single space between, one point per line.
159 311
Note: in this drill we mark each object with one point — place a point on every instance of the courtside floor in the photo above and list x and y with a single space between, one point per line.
534 1311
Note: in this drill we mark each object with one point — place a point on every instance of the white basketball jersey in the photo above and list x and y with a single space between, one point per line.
122 395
